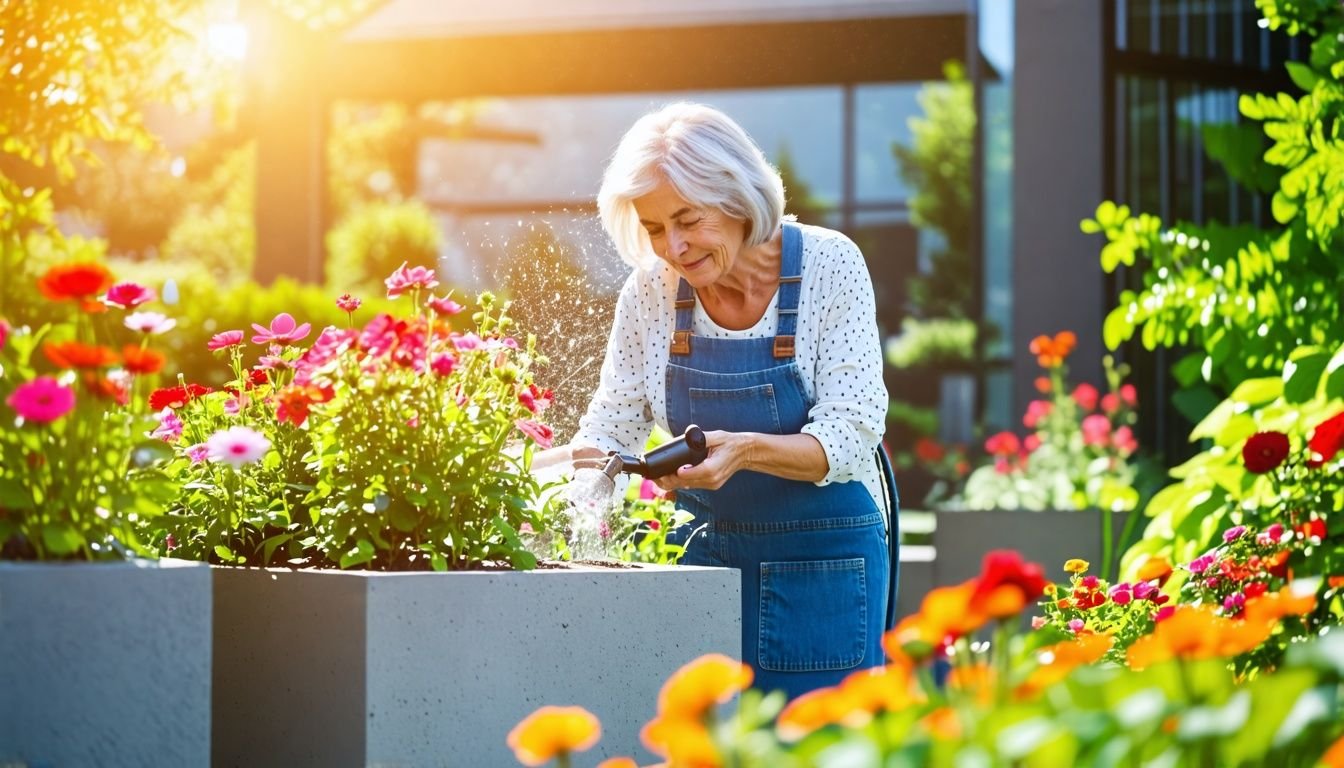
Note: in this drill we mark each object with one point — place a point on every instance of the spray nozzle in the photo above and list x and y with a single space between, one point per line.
690 448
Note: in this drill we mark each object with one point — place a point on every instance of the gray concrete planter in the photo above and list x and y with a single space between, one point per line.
337 668
962 537
105 664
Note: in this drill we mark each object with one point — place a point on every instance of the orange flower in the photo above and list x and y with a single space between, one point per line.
692 690
810 712
945 614
553 731
141 360
943 724
75 281
1271 607
1156 568
1050 352
618 762
1196 632
976 679
1058 660
1006 584
74 354
1334 756
685 743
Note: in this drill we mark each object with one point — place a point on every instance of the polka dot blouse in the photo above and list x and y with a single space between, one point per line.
838 354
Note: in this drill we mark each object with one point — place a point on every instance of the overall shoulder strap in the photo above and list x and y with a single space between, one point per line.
790 287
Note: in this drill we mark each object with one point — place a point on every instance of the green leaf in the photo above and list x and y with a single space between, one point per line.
1117 328
225 553
362 553
14 495
1334 376
1302 373
1284 207
1254 392
1303 76
61 538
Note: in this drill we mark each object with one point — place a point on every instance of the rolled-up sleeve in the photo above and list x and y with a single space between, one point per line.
849 416
618 416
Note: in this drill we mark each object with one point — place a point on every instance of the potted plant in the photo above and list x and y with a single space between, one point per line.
368 503
1067 487
105 652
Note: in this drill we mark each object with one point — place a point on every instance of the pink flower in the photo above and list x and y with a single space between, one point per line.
1096 430
170 542
224 340
1090 582
1233 603
1031 442
4 333
1121 597
1271 535
128 295
42 400
1233 533
1163 613
282 331
445 306
170 426
149 322
443 364
648 489
232 406
1124 441
465 342
348 303
404 279
1129 395
1036 410
237 446
1085 395
1037 622
1110 402
198 453
541 433
1076 625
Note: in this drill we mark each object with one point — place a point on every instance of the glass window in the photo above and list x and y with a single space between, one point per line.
881 120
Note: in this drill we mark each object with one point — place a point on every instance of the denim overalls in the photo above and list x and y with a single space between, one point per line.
814 559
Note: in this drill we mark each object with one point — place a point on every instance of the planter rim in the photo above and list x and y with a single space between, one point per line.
138 563
570 570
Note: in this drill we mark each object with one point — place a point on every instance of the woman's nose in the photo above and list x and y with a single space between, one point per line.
676 244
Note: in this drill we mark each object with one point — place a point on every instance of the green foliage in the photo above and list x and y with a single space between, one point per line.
373 240
371 156
935 343
1215 488
937 166
216 230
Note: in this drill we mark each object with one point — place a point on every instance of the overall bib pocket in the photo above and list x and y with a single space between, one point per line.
749 409
813 615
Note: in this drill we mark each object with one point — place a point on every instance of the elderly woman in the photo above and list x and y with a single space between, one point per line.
762 332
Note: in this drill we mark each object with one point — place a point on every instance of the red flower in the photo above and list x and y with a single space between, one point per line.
1003 444
1326 440
1006 584
175 397
141 360
929 450
74 354
76 281
293 402
1264 451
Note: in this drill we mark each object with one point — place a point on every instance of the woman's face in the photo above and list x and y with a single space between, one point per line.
700 243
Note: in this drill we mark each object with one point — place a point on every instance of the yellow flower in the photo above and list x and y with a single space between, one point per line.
553 731
1075 565
1155 568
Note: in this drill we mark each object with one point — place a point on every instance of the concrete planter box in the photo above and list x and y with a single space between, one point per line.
433 669
105 664
962 537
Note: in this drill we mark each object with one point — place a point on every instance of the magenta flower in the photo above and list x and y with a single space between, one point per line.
1233 533
443 364
539 432
1096 430
237 446
4 333
128 295
224 340
282 331
347 303
42 400
1233 603
445 306
404 279
150 322
1163 613
198 453
170 426
466 342
1076 625
1270 536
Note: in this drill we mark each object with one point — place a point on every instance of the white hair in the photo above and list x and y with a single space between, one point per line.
706 157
